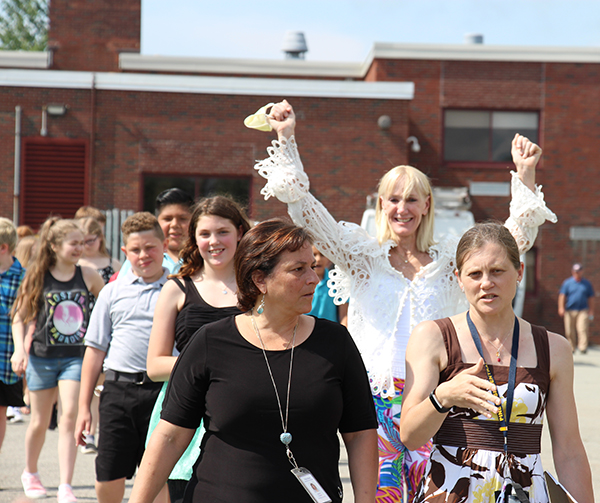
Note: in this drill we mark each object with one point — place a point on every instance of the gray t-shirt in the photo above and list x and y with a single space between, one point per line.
122 320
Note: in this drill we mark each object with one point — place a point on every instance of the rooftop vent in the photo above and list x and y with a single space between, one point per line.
294 45
473 38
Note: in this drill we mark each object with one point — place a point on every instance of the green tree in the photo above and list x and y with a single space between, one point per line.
23 25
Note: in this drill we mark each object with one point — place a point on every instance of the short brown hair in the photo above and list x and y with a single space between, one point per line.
481 234
260 250
141 222
90 211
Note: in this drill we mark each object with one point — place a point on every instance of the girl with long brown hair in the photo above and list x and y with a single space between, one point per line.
201 292
55 297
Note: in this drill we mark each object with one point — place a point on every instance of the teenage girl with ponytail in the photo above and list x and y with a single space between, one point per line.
56 298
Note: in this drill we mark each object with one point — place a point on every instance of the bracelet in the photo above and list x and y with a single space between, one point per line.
437 404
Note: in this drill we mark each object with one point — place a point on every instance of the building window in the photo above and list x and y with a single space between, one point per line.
485 136
237 188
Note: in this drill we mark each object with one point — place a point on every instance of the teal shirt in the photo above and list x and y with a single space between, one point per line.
322 304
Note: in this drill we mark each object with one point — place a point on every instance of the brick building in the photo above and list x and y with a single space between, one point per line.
91 121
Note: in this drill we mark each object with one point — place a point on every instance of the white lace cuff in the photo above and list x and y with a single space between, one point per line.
528 211
286 179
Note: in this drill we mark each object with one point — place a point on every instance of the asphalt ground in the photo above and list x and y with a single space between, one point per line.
12 457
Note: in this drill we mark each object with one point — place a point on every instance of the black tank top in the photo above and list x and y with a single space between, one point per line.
63 317
195 313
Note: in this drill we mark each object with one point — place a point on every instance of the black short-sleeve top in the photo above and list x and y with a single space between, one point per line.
222 378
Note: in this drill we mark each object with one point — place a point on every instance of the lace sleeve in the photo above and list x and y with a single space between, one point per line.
347 245
286 179
528 211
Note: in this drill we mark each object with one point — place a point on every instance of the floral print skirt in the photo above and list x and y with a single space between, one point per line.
400 470
461 474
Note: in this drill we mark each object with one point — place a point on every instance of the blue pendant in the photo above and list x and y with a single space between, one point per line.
286 438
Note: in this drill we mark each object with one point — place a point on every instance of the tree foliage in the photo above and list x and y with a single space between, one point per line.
23 25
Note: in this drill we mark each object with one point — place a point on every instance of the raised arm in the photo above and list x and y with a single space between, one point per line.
527 208
160 361
570 459
346 245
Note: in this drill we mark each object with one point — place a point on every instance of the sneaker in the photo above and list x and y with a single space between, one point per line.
16 416
65 494
90 445
32 485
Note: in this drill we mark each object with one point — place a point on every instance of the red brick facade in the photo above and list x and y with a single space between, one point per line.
132 132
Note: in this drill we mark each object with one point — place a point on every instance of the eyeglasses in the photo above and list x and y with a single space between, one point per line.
90 242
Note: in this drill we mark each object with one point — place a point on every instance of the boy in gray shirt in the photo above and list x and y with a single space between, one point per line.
117 340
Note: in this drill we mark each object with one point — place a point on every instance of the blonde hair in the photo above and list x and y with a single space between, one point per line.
410 179
8 234
90 225
90 212
25 250
53 233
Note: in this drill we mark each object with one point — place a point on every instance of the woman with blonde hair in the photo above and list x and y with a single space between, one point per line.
395 281
95 254
55 297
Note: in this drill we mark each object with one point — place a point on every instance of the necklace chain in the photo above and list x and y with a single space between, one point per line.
500 345
284 422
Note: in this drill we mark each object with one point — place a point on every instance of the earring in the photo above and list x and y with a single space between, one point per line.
261 306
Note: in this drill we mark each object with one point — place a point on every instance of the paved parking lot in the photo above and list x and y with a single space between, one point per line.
12 458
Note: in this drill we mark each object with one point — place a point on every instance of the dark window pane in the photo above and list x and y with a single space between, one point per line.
466 144
236 188
154 185
197 187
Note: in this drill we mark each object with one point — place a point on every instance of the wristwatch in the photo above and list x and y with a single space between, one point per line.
437 404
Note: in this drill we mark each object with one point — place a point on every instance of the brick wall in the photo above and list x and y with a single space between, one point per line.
88 35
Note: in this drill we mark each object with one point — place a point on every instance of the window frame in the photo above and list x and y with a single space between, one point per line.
487 163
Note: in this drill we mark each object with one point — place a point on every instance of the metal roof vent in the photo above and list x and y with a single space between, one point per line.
473 38
294 45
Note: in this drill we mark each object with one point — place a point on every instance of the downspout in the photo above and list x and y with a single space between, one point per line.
90 169
17 178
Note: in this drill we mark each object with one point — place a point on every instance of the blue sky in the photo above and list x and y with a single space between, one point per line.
345 30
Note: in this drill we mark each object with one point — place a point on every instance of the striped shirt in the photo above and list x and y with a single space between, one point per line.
9 284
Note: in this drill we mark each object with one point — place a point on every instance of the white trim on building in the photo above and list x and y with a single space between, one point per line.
207 85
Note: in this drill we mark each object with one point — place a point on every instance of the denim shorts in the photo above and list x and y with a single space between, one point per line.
44 373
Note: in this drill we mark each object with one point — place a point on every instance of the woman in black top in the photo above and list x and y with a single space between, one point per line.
201 292
273 387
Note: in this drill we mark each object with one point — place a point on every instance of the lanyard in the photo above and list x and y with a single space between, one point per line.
512 375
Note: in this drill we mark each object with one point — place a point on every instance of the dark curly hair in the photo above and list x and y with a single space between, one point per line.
219 206
260 250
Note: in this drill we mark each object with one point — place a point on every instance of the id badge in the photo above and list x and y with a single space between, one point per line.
310 484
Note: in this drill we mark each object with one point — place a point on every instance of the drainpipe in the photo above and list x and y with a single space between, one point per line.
17 186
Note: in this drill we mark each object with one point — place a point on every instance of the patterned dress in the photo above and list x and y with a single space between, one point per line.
385 306
467 462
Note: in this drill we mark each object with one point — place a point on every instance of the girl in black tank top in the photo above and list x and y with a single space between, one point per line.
54 303
203 291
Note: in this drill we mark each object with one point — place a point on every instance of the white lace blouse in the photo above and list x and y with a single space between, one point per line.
384 305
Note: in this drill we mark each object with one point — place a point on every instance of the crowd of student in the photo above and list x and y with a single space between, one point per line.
214 383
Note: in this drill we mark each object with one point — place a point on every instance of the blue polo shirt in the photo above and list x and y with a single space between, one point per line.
577 293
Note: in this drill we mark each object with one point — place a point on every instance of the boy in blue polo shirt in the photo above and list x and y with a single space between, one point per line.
11 276
117 339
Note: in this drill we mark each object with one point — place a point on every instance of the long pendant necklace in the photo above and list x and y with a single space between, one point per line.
285 437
